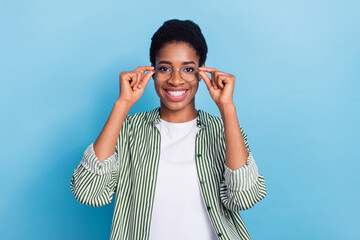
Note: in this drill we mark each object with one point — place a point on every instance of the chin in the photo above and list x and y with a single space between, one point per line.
174 106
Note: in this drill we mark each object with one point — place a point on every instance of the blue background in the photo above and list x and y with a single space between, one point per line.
297 68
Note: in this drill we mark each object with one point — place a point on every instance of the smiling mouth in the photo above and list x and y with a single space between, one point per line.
176 93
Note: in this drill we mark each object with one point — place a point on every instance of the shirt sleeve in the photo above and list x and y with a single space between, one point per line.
92 164
93 182
241 188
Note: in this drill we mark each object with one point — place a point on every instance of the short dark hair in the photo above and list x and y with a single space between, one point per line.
179 31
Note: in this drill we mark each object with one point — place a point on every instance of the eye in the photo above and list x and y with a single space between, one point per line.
164 69
189 69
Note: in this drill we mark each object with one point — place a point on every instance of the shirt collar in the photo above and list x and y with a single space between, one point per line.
153 116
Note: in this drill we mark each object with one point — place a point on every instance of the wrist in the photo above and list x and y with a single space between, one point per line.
123 104
227 108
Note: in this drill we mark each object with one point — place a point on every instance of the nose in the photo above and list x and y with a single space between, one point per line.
176 78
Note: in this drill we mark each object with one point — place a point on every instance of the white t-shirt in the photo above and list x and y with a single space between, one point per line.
179 211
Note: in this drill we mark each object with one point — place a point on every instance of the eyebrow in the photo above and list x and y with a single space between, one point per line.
167 62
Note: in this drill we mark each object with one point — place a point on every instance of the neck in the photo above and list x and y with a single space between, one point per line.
178 116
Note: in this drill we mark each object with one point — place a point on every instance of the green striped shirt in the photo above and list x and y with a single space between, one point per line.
132 170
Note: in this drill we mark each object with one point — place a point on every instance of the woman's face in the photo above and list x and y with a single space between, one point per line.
176 93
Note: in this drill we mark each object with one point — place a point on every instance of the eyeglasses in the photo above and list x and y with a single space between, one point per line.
187 73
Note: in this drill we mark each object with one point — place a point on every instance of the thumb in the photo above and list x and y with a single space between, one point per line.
147 77
206 80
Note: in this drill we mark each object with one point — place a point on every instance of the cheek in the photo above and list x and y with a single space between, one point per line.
196 85
157 88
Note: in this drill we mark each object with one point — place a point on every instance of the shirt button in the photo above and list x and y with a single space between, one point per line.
202 182
208 208
219 234
199 155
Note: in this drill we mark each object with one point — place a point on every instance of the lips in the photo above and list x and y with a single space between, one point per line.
176 94
175 89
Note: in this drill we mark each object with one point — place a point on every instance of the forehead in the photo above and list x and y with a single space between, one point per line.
177 52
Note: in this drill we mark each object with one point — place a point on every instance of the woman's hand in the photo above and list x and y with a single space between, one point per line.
221 85
133 83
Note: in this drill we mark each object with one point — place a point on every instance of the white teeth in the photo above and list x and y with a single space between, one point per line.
176 93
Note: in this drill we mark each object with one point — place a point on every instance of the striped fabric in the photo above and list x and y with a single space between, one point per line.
132 170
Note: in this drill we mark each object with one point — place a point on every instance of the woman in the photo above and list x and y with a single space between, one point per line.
169 167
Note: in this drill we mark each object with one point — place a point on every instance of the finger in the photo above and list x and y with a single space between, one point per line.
143 80
219 80
207 69
207 80
213 78
141 70
129 77
145 68
133 81
146 79
214 72
139 77
214 84
211 82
